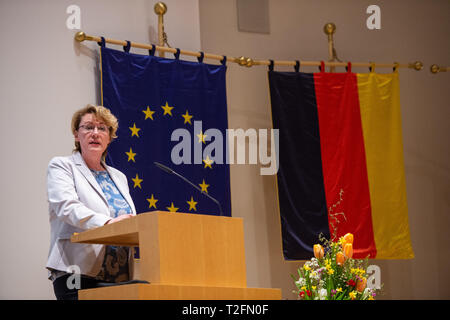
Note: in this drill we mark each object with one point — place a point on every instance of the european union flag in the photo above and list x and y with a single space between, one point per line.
163 105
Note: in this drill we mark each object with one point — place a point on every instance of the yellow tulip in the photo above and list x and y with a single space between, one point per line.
361 285
318 251
348 238
340 259
348 250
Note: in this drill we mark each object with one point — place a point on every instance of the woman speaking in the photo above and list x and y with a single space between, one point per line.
85 193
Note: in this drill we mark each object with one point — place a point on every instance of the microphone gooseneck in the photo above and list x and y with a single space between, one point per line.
163 167
171 171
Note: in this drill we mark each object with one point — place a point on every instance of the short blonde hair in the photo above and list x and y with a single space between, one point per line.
101 113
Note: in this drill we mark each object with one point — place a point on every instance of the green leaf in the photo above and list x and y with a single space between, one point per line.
340 296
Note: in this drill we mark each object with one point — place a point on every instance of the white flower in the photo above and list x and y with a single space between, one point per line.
315 275
366 293
322 294
301 282
314 263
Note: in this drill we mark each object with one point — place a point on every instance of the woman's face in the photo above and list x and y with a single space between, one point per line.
93 135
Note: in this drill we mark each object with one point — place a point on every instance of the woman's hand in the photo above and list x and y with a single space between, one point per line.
119 218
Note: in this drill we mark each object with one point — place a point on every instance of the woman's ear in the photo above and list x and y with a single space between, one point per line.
75 135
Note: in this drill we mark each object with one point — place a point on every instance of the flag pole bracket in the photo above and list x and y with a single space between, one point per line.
330 29
160 9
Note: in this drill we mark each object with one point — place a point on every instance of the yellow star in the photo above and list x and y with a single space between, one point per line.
172 208
137 181
131 155
148 113
187 117
167 109
152 202
204 186
201 137
208 162
134 130
192 204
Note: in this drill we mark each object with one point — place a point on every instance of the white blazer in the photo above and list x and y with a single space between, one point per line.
76 203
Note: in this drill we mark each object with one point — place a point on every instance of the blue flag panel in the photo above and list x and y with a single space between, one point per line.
152 97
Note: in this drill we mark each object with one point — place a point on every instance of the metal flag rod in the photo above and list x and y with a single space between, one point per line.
246 61
160 9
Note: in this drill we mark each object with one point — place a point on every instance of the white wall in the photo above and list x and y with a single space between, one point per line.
44 77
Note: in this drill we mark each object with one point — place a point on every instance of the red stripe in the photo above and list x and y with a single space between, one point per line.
344 159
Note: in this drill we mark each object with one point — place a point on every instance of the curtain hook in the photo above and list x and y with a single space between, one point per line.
177 54
322 66
202 55
127 47
348 68
152 50
297 66
102 42
224 61
271 65
395 69
372 67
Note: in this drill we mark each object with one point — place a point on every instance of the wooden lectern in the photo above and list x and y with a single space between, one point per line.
183 256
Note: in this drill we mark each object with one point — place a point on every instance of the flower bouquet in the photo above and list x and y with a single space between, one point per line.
332 274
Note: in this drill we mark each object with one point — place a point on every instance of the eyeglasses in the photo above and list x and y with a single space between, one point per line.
90 127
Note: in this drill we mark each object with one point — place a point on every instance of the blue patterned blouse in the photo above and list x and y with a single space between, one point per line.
115 264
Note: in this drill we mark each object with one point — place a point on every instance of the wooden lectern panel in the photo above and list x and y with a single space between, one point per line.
122 233
194 250
180 248
172 292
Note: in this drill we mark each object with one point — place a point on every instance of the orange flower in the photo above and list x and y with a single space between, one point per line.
318 251
361 285
340 258
348 238
348 250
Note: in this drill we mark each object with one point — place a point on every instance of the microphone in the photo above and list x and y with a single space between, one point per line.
170 171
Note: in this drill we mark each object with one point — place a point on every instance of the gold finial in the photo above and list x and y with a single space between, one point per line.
434 68
242 61
329 28
160 8
416 65
80 36
245 61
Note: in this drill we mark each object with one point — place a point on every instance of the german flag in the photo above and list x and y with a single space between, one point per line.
341 162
